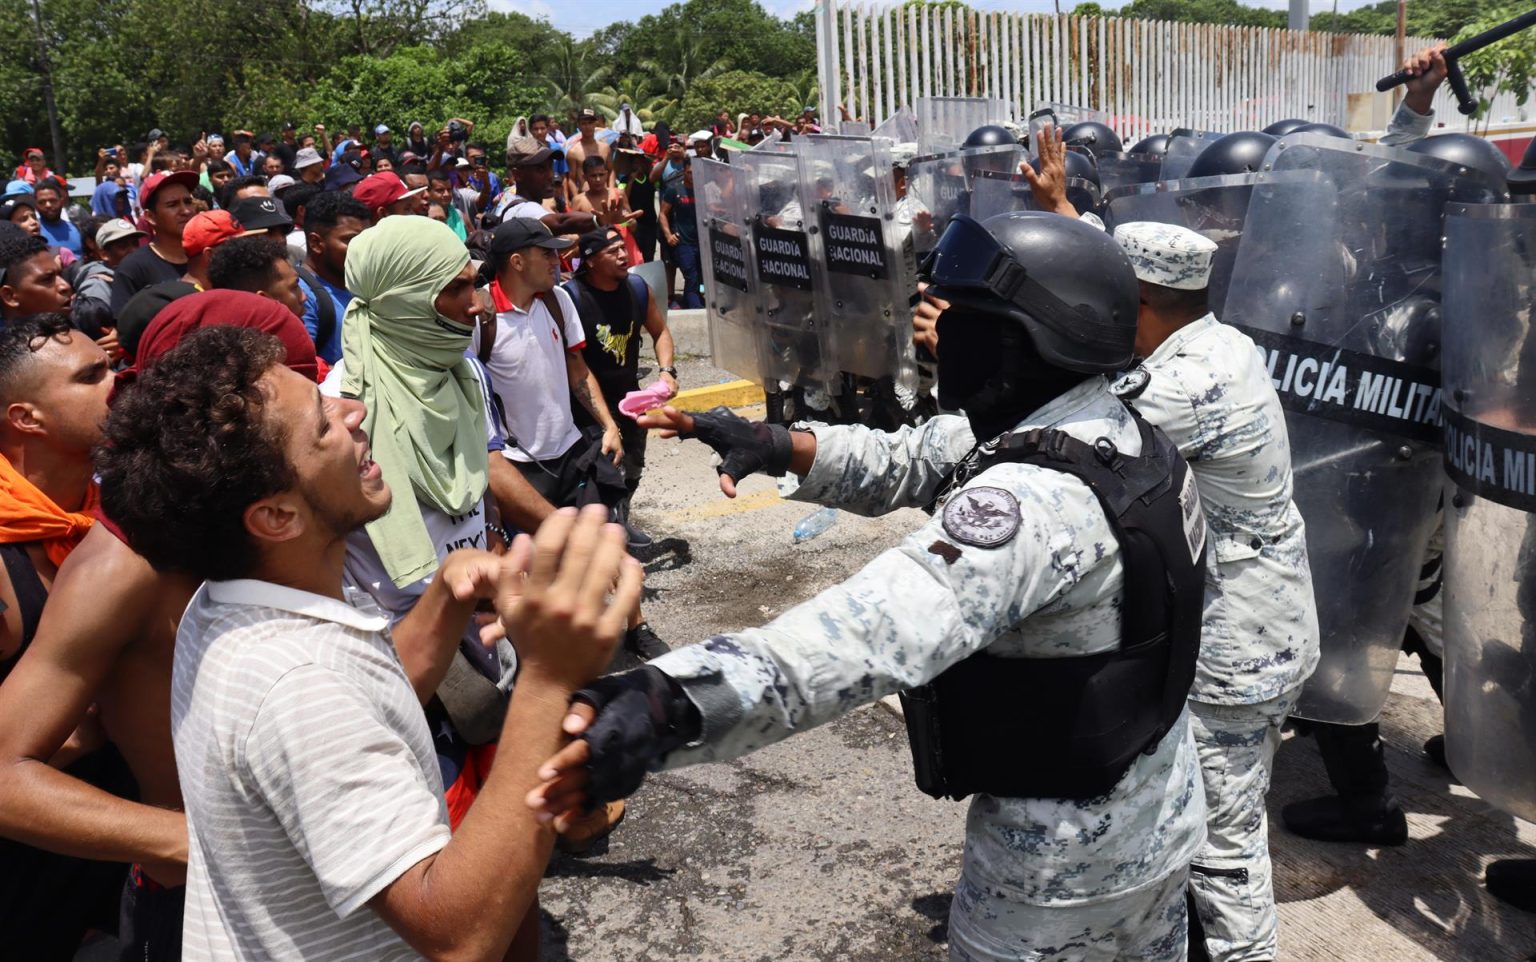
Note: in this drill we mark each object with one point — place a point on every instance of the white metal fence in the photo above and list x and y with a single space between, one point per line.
1150 76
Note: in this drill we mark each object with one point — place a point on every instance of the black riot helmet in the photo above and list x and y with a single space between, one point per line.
1239 153
1066 282
990 135
1465 150
1316 128
1155 145
1097 138
1282 127
1084 189
1522 179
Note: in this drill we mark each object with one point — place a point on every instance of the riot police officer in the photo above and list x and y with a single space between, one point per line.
1204 383
1054 597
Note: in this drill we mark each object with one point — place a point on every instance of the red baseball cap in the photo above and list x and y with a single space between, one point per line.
154 182
208 230
382 189
33 150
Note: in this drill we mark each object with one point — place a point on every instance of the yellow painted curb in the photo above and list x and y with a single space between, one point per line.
731 394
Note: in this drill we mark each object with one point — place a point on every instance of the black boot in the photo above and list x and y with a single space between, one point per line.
1434 750
1513 882
643 642
1364 810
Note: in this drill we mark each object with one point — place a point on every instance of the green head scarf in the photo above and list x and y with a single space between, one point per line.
426 414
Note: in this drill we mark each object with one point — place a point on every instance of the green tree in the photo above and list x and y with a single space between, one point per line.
737 91
1203 11
1505 67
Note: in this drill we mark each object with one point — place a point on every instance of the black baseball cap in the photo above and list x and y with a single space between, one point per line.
601 239
586 113
520 233
260 213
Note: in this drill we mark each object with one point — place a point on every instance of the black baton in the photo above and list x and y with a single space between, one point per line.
1465 102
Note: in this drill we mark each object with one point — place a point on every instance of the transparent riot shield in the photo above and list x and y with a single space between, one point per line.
868 266
1068 114
939 187
1184 145
1340 287
900 127
1000 193
943 123
1489 371
721 192
1214 207
793 346
1128 170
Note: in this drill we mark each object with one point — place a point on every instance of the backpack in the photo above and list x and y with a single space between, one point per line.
325 321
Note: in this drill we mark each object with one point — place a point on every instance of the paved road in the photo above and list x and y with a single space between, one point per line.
820 848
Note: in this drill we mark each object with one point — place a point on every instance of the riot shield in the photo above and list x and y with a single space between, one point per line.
1127 170
939 187
793 347
900 126
1184 145
868 267
1068 114
1489 371
1214 207
943 123
1000 193
1340 287
730 282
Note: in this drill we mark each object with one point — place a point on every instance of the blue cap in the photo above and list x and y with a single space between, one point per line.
341 175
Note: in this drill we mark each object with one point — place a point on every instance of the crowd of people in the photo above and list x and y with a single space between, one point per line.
316 477
387 315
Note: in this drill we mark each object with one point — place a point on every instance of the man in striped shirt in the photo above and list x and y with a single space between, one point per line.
313 797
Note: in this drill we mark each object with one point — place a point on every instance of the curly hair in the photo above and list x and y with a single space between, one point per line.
328 207
187 448
19 341
19 247
246 263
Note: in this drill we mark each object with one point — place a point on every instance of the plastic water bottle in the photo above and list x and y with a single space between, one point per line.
815 523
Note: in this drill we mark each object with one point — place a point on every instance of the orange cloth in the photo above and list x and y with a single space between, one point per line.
27 514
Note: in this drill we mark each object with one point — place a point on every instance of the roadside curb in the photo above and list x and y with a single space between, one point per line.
731 394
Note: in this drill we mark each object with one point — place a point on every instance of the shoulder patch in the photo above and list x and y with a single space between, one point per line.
982 516
1129 385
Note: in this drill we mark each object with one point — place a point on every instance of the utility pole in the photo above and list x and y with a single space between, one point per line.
46 68
1298 17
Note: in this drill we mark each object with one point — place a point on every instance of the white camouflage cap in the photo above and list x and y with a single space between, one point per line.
1167 255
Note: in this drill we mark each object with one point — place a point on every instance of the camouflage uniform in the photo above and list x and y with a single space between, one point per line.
1109 868
1207 388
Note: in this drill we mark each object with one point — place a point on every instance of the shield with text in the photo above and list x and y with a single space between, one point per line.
1489 373
730 281
1339 285
793 346
865 253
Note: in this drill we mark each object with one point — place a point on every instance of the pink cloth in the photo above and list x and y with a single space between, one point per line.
636 403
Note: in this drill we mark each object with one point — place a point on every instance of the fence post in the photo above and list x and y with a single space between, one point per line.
826 57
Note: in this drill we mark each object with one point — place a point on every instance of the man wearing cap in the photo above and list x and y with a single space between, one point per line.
345 173
579 149
309 165
530 167
264 215
116 239
615 306
386 194
168 206
243 159
1205 385
34 167
383 145
202 234
287 149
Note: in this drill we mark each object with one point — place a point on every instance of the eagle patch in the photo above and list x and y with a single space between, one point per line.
983 516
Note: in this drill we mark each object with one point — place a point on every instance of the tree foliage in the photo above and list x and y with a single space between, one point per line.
121 67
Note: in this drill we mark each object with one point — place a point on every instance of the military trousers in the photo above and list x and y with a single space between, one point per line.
1149 924
1231 881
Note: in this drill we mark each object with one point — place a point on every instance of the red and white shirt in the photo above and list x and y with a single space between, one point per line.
528 375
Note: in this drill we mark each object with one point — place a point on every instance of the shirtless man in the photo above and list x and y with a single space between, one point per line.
53 400
578 149
601 199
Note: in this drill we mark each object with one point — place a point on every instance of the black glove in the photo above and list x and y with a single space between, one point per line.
641 716
745 447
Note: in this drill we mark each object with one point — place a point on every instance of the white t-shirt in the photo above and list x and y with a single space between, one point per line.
529 377
308 773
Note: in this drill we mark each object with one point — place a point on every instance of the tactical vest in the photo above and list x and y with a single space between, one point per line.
1070 727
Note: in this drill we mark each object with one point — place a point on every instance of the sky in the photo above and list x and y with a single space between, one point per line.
582 17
